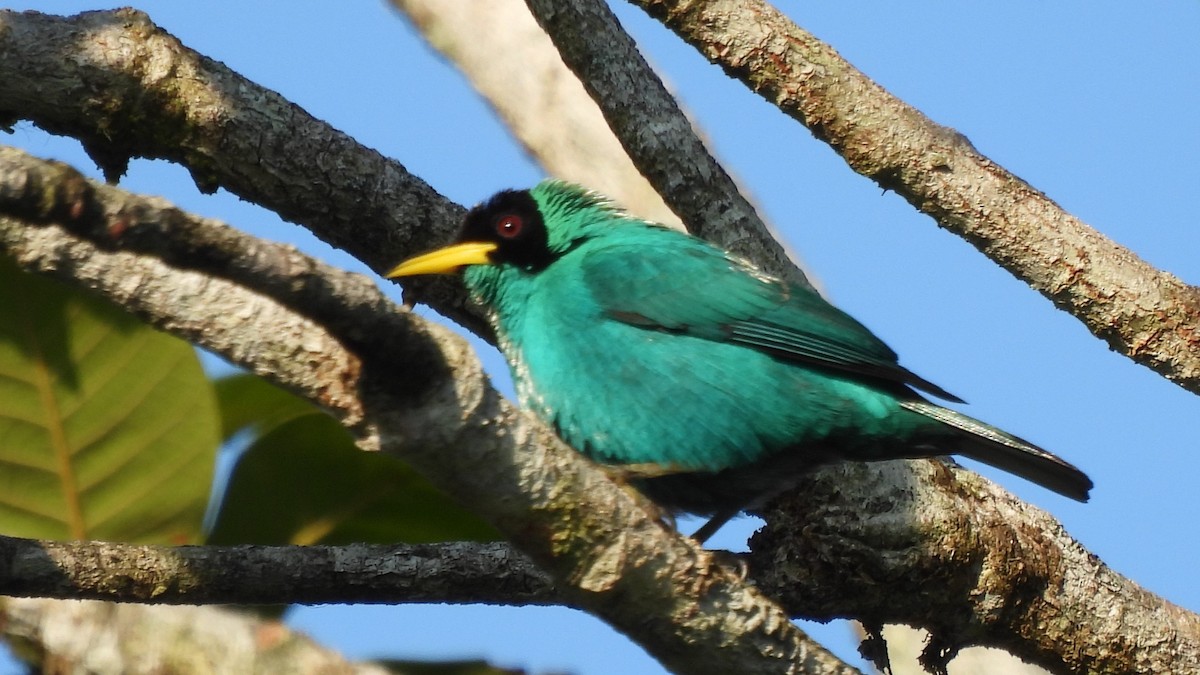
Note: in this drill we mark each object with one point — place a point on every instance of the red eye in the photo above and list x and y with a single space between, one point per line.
509 226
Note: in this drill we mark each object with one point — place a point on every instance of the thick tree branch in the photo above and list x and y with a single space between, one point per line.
971 563
349 306
1141 312
245 327
607 552
97 637
657 135
126 88
308 575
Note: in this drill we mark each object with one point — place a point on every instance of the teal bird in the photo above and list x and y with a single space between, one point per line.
710 382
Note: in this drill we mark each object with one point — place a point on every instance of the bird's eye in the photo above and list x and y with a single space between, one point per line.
509 226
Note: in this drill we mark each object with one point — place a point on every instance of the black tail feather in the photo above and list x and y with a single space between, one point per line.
1002 450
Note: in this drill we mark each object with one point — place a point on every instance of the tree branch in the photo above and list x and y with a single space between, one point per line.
349 306
657 135
126 88
98 637
972 564
245 327
599 541
1141 312
193 575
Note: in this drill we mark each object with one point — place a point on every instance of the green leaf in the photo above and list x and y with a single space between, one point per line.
250 403
304 482
108 428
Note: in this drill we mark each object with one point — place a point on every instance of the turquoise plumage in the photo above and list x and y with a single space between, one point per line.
713 382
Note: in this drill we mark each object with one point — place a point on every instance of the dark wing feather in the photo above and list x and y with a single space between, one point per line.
664 280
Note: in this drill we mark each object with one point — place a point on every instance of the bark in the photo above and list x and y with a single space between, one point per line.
1141 312
82 636
125 88
460 572
971 564
39 244
513 63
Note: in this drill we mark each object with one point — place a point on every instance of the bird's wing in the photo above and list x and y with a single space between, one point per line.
680 284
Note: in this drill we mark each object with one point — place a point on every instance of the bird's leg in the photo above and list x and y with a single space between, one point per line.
716 522
625 473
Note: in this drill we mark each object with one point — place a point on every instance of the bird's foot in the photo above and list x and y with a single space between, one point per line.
736 562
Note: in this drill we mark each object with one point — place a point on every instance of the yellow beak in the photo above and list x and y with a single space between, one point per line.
445 260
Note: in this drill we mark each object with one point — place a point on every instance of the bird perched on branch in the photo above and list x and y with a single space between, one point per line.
713 384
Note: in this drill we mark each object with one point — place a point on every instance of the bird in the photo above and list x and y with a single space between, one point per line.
707 382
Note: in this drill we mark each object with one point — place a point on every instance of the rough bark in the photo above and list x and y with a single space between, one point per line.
83 636
964 562
125 88
1141 312
460 572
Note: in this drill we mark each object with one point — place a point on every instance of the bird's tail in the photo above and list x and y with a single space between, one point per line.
987 444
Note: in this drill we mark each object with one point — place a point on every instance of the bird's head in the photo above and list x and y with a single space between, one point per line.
521 230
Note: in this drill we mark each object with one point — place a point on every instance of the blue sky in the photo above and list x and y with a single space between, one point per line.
1095 104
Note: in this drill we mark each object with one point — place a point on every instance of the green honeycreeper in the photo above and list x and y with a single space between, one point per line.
708 382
